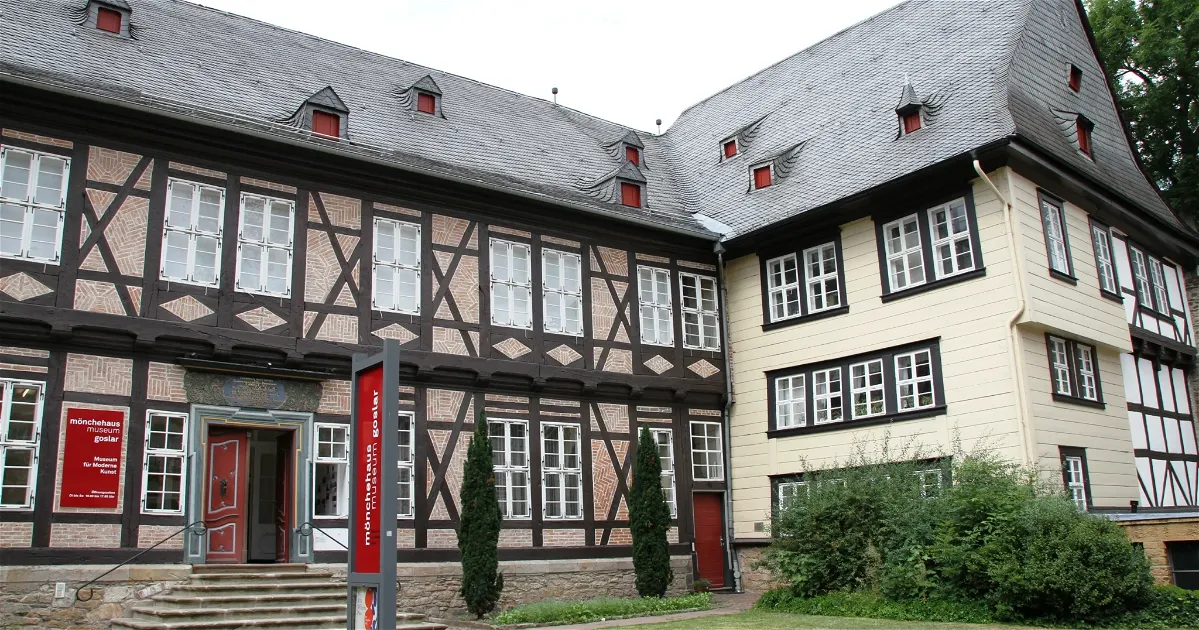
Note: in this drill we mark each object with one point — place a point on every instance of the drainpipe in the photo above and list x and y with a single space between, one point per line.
734 565
1014 347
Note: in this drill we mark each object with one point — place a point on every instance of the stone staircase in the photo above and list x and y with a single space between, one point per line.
274 596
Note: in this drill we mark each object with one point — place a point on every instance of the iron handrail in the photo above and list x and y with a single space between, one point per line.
310 526
88 585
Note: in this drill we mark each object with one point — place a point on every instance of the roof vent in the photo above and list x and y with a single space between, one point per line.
110 16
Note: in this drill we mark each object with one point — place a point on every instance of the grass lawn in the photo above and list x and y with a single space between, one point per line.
756 620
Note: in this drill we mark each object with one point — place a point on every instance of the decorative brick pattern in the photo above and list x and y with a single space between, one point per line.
342 211
512 348
321 268
309 318
17 367
395 331
620 536
653 259
564 354
622 448
448 230
397 209
563 537
553 240
659 364
406 538
85 536
196 170
32 137
620 361
616 261
616 417
464 286
697 265
126 235
110 166
343 328
714 413
647 409
262 183
518 400
516 538
164 381
443 539
135 298
98 375
94 261
149 535
442 405
335 398
98 297
101 201
62 433
187 308
603 479
21 286
16 535
499 229
457 460
554 402
603 309
449 341
703 368
261 318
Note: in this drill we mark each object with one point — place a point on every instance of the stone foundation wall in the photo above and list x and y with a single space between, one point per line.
754 578
1155 533
27 593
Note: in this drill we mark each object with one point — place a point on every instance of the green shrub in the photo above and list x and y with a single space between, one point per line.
875 606
552 612
1167 607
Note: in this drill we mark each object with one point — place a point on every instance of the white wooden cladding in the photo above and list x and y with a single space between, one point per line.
1176 325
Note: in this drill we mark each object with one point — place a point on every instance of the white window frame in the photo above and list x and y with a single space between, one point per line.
513 286
396 266
915 381
1161 296
1105 266
816 285
569 324
1088 375
828 396
1076 480
669 489
166 453
794 406
343 491
1053 222
406 463
753 184
785 294
1059 359
658 306
1140 276
952 239
563 470
923 476
507 468
264 242
193 232
32 445
708 431
706 322
872 392
30 206
788 491
903 255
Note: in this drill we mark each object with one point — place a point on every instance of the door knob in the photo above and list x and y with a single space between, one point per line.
224 487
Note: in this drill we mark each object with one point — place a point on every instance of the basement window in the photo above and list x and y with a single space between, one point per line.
630 195
326 124
108 20
762 176
426 103
1075 81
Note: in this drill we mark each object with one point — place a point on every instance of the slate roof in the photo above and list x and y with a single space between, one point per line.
984 71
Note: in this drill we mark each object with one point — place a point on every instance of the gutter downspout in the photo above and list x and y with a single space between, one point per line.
734 564
1014 346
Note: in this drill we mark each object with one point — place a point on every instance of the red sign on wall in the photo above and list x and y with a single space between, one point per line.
368 449
91 458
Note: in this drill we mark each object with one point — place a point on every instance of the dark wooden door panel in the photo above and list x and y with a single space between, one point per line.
283 496
709 530
225 507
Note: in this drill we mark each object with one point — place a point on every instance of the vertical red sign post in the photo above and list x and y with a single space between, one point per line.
91 458
374 426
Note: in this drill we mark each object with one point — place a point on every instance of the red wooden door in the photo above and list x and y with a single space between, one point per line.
709 530
225 508
283 476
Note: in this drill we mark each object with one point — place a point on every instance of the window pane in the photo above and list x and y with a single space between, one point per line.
253 216
209 211
179 212
15 184
51 175
385 241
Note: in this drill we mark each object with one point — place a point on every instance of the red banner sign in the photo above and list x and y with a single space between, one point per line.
368 449
91 458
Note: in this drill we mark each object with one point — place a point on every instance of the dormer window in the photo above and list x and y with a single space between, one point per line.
108 20
1075 80
326 124
763 177
911 122
630 195
632 154
426 103
1084 128
730 148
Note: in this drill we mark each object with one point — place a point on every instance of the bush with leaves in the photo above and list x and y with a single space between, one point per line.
649 519
479 527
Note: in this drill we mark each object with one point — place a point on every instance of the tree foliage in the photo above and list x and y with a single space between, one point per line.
479 527
649 519
1151 51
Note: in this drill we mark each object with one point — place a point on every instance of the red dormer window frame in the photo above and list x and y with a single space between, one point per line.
1075 80
426 103
911 122
632 154
729 148
108 20
630 195
1085 144
763 177
326 124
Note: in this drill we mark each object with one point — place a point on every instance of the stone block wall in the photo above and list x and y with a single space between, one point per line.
1154 534
27 594
754 578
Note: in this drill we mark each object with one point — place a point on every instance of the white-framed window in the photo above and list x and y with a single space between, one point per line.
562 291
511 285
790 401
1161 300
700 312
1059 358
1055 236
33 201
789 491
866 388
1102 240
164 462
707 458
950 228
664 438
191 238
561 471
826 396
1076 480
1140 276
914 380
905 259
331 474
930 482
653 293
823 284
396 269
782 277
20 436
1073 369
264 245
510 456
405 460
1084 359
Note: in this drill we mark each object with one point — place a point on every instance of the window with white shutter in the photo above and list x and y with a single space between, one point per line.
33 201
191 239
264 245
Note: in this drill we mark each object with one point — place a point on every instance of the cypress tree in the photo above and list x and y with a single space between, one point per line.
649 518
479 526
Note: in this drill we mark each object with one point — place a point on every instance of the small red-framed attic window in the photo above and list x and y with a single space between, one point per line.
911 122
730 148
630 195
632 154
108 20
762 177
326 124
1084 128
426 103
1075 81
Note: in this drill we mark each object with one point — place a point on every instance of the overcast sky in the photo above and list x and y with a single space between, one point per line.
630 61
